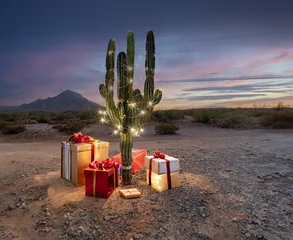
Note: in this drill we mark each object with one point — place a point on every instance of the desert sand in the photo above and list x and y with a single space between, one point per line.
235 184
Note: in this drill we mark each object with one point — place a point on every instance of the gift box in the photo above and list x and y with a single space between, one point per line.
100 182
162 171
75 157
138 158
130 193
159 165
160 181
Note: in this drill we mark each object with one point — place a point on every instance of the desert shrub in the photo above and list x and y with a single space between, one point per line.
174 114
5 124
188 112
236 121
166 128
280 106
87 114
279 119
207 115
72 127
168 115
258 112
90 121
14 129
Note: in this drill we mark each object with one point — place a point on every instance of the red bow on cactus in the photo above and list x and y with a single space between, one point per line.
159 155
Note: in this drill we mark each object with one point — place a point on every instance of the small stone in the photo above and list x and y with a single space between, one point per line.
107 218
203 215
248 235
81 228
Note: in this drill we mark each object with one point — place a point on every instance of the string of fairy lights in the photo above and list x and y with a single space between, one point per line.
141 112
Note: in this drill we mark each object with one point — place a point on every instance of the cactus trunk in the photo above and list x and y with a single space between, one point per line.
126 142
133 110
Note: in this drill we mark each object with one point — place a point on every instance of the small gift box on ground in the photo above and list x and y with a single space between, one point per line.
75 157
138 157
162 171
130 193
100 181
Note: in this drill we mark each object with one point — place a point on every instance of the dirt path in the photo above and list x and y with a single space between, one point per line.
235 185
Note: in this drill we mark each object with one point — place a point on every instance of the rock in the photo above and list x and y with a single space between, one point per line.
81 228
248 235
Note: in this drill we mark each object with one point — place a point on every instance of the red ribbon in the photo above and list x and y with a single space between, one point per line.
108 163
161 156
79 138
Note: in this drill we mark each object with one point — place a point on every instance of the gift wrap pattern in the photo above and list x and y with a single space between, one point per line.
77 156
158 175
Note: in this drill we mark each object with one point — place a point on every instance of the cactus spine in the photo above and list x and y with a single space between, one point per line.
133 110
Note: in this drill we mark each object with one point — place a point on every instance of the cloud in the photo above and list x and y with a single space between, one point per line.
213 97
194 80
263 87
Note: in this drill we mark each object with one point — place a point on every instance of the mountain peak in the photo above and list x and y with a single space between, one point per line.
65 101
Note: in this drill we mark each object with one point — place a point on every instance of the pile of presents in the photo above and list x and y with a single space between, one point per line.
85 161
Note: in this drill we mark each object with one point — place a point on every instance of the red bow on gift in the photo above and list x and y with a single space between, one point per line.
108 163
79 138
159 155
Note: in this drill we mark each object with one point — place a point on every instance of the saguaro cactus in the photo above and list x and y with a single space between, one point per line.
134 109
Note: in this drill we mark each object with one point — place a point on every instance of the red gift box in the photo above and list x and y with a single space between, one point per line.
100 183
138 156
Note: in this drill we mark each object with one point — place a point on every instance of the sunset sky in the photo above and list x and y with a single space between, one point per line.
209 53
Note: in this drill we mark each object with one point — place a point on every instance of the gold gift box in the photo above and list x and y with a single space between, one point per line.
76 157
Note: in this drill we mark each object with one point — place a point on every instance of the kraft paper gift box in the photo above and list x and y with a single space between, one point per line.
75 157
138 158
100 183
162 173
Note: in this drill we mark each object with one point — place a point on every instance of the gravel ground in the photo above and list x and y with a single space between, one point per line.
234 185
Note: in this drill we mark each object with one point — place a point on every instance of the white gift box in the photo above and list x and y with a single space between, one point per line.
159 165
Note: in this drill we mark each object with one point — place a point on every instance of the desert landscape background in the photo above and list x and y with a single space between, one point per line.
236 177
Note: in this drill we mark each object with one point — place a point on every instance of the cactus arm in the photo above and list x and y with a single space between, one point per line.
149 66
122 88
106 90
130 111
157 97
130 59
103 91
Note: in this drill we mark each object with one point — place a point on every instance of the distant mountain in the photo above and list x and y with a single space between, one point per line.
65 101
